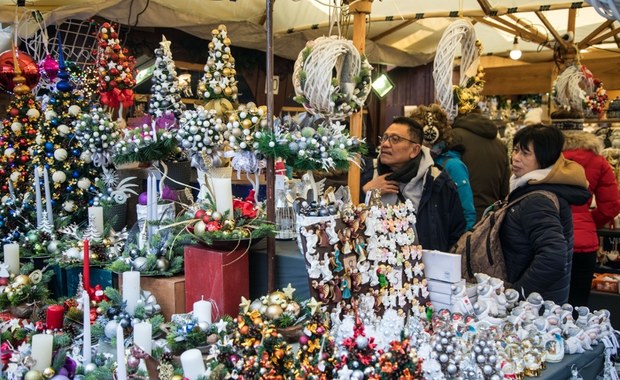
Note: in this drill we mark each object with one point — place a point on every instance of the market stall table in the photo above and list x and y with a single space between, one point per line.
589 364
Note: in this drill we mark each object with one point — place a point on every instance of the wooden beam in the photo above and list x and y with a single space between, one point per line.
392 30
361 10
572 15
485 6
594 33
520 32
498 11
616 37
526 24
603 37
551 29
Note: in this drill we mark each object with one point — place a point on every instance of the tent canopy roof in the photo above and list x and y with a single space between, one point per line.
400 33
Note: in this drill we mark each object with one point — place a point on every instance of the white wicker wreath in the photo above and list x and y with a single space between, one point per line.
607 8
459 32
316 87
570 88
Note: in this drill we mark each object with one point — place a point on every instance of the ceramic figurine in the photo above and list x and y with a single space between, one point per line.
485 293
482 278
512 298
573 344
460 302
582 316
555 346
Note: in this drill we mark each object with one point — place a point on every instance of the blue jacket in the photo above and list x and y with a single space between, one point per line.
452 163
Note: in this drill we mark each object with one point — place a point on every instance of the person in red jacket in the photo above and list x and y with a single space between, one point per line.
585 148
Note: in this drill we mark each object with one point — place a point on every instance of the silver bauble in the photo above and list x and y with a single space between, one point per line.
52 246
33 374
357 375
163 264
361 342
110 329
203 325
90 367
451 369
139 263
256 305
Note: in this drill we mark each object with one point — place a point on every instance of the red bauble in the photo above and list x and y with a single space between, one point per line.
199 214
14 112
24 159
27 65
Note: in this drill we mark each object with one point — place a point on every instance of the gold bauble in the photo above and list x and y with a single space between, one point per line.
226 71
215 32
48 373
274 311
33 374
222 27
228 225
94 256
232 59
22 279
235 89
293 308
277 298
247 123
226 41
262 110
176 377
211 46
217 90
225 57
233 72
228 91
232 117
202 87
208 75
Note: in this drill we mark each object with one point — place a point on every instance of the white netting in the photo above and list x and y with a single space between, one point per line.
571 87
607 8
459 32
79 42
313 77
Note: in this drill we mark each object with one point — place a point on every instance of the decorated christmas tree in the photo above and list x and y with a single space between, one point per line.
116 70
72 176
218 85
165 95
16 141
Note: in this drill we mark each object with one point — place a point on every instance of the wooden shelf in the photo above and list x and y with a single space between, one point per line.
603 121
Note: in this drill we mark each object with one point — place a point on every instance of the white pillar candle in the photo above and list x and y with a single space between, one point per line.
143 336
42 351
193 365
202 311
37 191
95 215
48 198
11 257
86 351
131 291
121 370
222 187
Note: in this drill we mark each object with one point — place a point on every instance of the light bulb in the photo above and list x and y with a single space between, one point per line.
515 53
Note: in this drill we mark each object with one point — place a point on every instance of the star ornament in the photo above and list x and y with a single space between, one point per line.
288 291
165 44
244 305
221 326
314 305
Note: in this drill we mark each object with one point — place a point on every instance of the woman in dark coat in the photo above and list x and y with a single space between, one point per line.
536 236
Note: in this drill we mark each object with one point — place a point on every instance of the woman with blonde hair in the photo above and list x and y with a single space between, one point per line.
438 138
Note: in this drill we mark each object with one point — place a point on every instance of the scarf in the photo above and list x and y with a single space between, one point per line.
404 174
538 174
410 179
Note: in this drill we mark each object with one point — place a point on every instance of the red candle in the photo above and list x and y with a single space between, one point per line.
86 272
55 317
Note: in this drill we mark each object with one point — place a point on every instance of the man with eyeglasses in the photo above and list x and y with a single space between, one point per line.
406 171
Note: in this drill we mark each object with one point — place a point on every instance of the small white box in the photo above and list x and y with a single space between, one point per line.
442 286
439 305
442 266
441 298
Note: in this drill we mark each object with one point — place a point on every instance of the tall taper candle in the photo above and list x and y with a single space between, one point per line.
37 191
48 197
86 269
11 189
11 257
121 370
131 291
149 205
95 213
86 351
42 351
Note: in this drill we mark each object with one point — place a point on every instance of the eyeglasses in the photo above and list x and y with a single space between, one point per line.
394 139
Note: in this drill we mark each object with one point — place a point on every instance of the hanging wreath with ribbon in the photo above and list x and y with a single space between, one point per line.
464 97
331 78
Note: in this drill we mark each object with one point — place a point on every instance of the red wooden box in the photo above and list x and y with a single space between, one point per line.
221 276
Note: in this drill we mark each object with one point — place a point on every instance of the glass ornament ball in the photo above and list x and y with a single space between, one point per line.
27 65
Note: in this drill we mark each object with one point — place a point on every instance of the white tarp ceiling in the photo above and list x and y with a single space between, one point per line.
401 33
